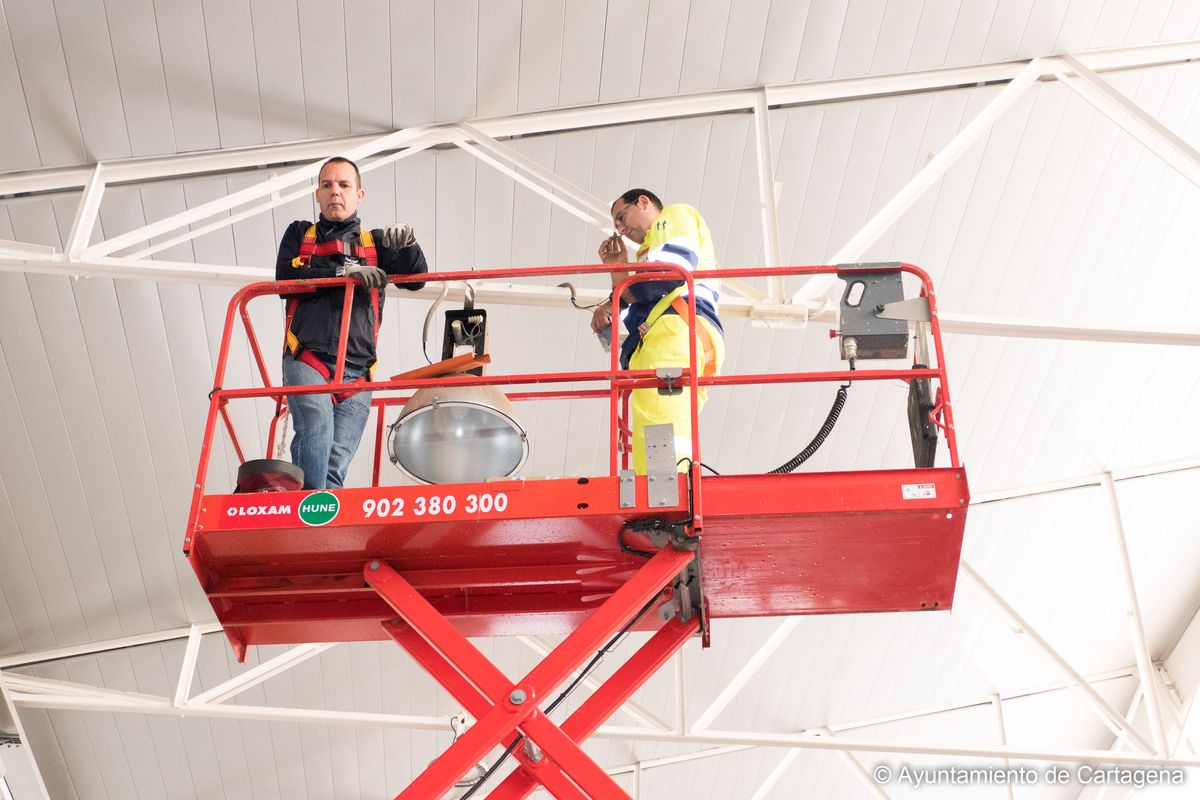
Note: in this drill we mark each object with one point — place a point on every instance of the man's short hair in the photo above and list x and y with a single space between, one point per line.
343 160
631 197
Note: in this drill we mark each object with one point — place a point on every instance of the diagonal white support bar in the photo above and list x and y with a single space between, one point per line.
535 186
1132 118
1107 714
86 215
278 183
104 646
10 721
752 665
638 712
583 200
765 788
68 691
1118 745
1141 648
223 222
187 671
887 216
1179 711
858 769
11 249
997 705
766 193
275 201
681 725
263 672
563 193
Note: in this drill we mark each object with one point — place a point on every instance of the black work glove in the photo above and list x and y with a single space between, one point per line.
368 276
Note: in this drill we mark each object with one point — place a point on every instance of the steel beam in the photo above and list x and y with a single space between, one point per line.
25 686
1084 481
681 725
765 788
87 214
999 707
303 174
891 212
858 769
104 646
817 742
1132 118
264 671
768 208
187 671
1141 647
752 665
12 720
1017 328
599 115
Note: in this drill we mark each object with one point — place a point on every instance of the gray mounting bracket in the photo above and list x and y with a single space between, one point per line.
627 486
662 476
669 375
914 309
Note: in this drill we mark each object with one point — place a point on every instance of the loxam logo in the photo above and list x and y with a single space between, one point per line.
318 508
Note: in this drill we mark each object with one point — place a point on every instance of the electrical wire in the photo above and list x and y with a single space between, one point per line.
429 320
826 428
575 302
591 665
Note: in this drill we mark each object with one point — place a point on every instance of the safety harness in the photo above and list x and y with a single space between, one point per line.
309 247
676 301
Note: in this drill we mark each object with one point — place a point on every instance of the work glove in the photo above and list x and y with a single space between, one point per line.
368 276
399 234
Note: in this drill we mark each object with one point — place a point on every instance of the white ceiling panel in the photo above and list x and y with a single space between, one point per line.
1055 214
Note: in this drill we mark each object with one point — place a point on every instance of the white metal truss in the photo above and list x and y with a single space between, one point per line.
903 200
481 139
9 720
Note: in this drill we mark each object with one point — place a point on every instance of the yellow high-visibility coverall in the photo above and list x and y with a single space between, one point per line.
660 335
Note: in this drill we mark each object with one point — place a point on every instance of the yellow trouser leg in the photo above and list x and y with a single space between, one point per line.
666 345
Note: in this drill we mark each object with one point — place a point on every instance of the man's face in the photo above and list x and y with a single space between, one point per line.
338 193
634 219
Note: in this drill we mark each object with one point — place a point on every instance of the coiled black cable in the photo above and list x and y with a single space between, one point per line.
822 434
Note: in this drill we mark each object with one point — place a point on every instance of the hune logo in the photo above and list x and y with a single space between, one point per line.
319 508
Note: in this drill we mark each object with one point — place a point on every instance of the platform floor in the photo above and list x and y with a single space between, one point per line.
534 557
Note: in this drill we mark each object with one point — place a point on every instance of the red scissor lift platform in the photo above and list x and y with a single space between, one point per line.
584 557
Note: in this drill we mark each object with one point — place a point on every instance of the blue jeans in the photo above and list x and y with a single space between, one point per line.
326 434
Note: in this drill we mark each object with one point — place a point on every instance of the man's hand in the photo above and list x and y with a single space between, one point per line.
368 276
612 250
602 318
399 234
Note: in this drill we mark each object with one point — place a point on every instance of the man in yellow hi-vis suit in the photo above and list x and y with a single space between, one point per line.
655 312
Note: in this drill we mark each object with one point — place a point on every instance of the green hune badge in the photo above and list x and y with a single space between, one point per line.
318 508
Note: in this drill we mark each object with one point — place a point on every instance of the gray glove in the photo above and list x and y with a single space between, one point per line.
399 234
368 276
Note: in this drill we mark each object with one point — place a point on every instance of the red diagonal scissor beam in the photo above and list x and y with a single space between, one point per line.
630 677
466 665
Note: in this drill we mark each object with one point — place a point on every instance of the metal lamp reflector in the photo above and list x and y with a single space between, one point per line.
460 434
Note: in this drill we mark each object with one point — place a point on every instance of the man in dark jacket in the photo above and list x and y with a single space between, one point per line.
328 427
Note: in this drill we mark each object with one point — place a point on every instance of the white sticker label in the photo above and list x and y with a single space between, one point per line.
918 491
